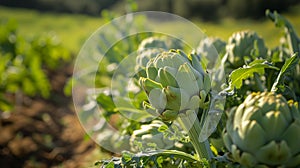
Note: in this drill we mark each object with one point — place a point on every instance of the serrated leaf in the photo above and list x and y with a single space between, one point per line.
110 165
288 65
237 76
127 156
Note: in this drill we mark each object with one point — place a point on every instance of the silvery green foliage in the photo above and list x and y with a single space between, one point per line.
148 137
264 131
175 83
244 46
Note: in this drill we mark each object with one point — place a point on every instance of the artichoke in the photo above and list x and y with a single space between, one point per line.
148 135
150 47
163 42
175 84
211 48
264 131
143 58
244 46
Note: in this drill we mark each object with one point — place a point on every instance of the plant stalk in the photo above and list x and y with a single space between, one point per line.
193 127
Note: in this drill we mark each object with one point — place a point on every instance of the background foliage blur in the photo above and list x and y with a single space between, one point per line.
205 9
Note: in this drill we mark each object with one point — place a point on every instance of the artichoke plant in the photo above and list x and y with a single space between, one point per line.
177 87
264 131
175 84
244 46
148 135
211 49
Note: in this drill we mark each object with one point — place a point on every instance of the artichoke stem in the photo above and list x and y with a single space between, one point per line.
192 125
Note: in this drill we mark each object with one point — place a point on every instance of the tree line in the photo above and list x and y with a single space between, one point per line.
204 9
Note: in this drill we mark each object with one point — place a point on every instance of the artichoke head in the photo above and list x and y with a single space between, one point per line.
245 44
211 48
264 131
175 83
150 48
161 42
142 59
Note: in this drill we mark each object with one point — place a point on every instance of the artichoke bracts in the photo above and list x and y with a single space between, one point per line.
175 84
178 87
150 48
264 131
244 45
142 59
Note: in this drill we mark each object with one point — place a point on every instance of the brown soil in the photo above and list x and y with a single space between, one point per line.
44 133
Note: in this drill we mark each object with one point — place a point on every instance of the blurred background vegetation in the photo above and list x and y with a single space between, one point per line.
51 32
210 10
74 20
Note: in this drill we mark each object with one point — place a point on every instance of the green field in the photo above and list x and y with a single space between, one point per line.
73 30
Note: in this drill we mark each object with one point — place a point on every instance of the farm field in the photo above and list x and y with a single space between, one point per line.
73 30
49 125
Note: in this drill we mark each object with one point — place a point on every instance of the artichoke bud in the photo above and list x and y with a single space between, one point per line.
179 83
245 44
163 42
264 131
142 59
152 43
210 49
170 59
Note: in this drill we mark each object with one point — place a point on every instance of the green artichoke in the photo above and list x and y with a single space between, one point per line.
150 47
211 49
264 131
142 59
175 84
244 46
148 135
162 42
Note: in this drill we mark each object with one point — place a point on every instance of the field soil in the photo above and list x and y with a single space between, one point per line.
43 132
